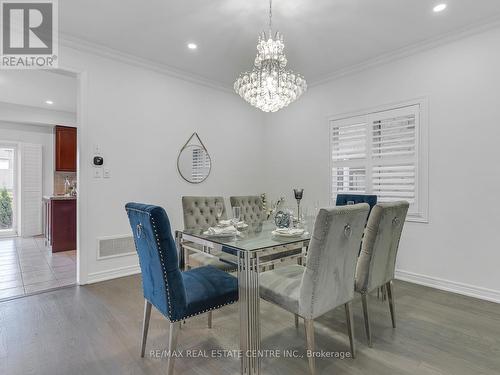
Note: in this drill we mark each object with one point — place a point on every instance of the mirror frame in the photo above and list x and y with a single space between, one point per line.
187 145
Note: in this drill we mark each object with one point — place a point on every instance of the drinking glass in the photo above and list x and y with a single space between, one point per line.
304 219
219 208
236 215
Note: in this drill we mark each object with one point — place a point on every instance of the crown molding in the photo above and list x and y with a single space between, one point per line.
114 54
111 53
410 50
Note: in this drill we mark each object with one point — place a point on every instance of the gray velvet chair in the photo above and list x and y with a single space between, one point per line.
200 214
377 261
327 280
253 214
251 209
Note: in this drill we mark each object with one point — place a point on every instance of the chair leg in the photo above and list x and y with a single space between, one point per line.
172 346
350 327
390 296
296 321
145 326
210 319
309 325
367 319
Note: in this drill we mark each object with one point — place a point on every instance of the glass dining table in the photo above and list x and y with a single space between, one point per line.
250 252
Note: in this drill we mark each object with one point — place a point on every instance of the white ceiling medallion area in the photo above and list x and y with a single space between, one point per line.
270 86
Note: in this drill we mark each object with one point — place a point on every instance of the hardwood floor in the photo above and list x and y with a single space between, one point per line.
96 329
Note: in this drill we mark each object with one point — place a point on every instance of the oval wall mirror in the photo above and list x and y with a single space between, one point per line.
194 163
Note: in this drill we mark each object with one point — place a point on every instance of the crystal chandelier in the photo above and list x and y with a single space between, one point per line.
270 86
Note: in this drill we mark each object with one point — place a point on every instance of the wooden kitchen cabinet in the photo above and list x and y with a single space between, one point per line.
60 223
65 149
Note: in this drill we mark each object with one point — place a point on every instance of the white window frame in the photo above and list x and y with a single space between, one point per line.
421 148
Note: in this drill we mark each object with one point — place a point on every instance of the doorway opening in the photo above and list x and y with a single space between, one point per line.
38 167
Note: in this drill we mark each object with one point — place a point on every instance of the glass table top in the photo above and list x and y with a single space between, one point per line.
255 237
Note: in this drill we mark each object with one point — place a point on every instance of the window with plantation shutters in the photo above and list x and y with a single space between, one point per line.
378 153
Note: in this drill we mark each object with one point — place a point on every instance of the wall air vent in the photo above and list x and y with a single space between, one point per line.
115 246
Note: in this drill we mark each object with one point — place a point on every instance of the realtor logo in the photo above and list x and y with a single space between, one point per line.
29 34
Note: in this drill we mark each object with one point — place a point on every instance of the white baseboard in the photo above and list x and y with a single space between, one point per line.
450 286
115 273
433 282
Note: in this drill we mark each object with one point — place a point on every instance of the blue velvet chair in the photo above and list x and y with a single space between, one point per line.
342 199
177 295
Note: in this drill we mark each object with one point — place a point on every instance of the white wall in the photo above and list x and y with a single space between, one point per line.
140 119
43 135
25 114
458 248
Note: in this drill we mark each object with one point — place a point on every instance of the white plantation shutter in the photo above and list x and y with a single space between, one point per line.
394 182
349 180
31 189
349 150
394 155
378 153
349 141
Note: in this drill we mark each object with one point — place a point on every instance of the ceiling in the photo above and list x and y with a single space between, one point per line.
321 36
34 87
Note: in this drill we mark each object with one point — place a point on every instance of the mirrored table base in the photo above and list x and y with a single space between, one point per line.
248 265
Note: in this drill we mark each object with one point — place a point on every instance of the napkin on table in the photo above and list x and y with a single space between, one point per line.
290 231
225 230
227 223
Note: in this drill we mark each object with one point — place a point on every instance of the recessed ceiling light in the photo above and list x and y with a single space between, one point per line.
49 102
192 46
439 8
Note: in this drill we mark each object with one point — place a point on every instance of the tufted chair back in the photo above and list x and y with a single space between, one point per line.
162 281
342 199
251 209
328 279
377 260
200 212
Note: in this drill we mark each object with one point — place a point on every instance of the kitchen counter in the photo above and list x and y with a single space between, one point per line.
58 197
60 222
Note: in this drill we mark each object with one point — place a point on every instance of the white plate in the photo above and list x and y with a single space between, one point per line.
221 235
287 235
223 225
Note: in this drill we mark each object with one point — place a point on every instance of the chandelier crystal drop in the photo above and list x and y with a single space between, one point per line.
270 86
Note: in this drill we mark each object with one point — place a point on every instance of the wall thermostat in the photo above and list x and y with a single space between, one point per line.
98 161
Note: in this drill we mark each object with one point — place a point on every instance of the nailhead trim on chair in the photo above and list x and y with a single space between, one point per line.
202 312
161 255
162 264
153 224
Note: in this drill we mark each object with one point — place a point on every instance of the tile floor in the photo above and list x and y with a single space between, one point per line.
27 266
